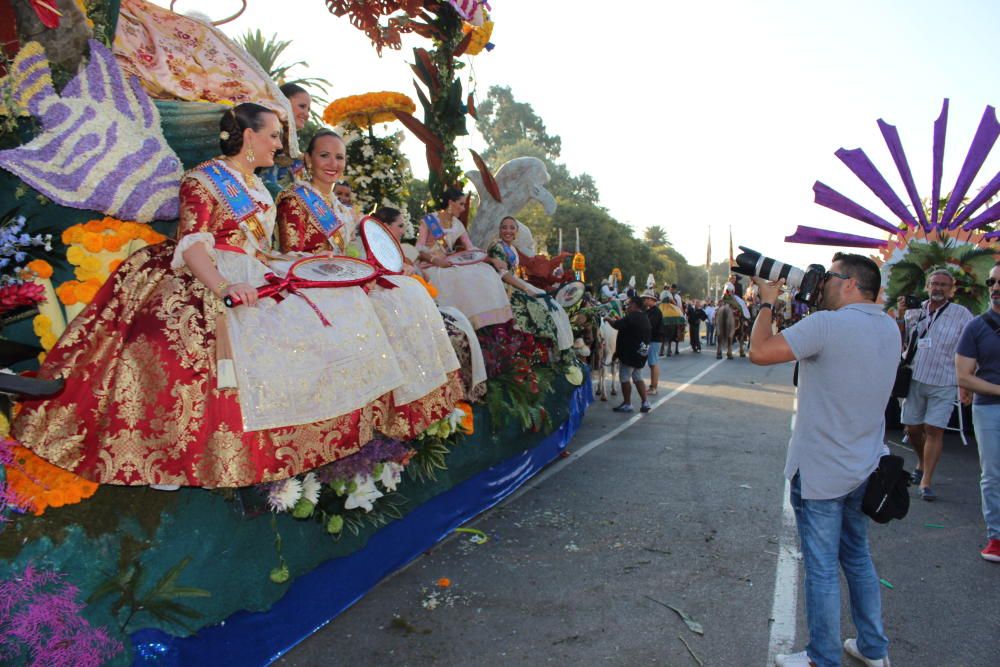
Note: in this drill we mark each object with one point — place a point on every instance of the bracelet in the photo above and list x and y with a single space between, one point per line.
221 288
769 306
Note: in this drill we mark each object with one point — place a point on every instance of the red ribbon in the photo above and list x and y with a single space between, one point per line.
292 285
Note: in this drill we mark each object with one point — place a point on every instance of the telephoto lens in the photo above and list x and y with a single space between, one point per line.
752 263
808 282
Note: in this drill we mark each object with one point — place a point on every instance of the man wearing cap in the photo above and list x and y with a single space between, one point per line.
650 302
632 350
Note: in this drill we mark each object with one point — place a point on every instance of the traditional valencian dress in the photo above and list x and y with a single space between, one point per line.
308 222
544 318
148 397
474 289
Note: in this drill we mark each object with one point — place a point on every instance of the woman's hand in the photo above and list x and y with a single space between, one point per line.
441 261
247 294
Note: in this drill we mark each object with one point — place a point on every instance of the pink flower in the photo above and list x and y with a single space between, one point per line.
15 295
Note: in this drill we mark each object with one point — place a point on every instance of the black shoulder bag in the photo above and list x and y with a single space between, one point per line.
886 497
904 373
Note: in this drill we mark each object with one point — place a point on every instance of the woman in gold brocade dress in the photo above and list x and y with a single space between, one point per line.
311 220
166 386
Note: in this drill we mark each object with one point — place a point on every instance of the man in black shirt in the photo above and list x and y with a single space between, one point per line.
632 350
695 316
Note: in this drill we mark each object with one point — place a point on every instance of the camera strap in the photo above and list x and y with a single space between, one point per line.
933 319
991 320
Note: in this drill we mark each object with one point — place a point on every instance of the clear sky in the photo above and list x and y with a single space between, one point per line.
691 114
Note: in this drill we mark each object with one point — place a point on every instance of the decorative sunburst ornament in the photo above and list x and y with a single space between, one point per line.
950 233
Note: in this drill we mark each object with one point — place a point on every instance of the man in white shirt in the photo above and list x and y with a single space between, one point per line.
934 387
847 366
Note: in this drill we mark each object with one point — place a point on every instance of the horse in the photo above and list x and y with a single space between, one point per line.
596 339
729 325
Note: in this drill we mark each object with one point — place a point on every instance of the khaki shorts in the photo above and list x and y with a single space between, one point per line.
929 404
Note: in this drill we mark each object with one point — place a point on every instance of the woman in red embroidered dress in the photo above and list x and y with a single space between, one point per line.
311 220
153 364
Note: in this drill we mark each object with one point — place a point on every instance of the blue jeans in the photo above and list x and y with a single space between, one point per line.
986 420
832 531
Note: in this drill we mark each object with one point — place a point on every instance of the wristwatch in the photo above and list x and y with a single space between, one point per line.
767 305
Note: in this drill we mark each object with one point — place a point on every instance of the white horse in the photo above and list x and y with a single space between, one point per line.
606 363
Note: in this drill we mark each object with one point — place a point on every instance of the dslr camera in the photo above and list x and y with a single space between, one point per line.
913 301
809 283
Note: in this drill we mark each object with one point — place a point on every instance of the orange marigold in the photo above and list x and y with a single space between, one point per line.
114 242
38 484
41 268
431 290
113 265
93 241
467 423
95 226
72 235
67 292
86 291
368 109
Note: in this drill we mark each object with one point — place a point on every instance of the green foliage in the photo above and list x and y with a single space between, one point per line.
503 121
158 601
968 264
267 51
431 456
510 399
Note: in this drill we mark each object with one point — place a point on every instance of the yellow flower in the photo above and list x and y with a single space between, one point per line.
48 340
41 324
480 37
75 255
367 109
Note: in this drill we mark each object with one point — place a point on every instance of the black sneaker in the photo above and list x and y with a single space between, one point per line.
646 407
624 407
916 477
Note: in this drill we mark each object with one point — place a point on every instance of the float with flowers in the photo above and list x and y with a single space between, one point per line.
94 138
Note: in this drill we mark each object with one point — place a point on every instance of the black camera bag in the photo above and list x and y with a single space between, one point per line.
904 373
886 497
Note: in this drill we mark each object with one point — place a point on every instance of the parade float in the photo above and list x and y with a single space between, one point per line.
948 230
99 122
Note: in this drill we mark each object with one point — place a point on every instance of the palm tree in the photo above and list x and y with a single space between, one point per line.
267 52
656 236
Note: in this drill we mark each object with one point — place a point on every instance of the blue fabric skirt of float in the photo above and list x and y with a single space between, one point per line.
320 595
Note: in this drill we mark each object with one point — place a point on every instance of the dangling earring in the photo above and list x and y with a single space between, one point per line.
250 156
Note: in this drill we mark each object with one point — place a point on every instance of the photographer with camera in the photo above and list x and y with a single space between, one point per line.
927 409
845 378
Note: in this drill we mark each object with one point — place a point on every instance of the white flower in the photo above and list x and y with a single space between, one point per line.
455 418
310 488
284 494
391 475
364 495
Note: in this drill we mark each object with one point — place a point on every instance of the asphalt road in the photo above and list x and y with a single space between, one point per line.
682 508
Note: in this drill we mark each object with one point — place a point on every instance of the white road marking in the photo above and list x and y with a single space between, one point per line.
579 453
786 577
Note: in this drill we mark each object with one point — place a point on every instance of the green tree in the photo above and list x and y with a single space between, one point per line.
656 236
503 121
267 51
